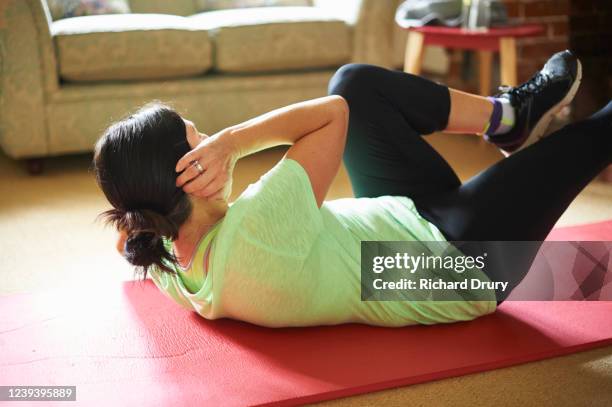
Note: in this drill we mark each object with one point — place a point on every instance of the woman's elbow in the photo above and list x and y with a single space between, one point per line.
341 112
340 105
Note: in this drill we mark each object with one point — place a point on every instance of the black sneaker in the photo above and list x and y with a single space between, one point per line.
538 100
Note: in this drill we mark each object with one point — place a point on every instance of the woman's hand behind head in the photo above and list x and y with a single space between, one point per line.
217 157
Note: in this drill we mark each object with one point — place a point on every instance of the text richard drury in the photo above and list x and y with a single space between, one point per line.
392 274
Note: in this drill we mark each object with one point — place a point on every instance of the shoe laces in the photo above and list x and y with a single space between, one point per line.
526 90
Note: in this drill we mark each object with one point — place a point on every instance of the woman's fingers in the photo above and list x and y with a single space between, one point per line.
199 182
186 160
217 167
190 173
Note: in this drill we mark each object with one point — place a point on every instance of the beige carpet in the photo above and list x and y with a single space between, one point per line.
49 238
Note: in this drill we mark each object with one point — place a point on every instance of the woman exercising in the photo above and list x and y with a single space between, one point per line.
280 255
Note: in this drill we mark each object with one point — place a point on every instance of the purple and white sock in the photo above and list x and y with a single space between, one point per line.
502 118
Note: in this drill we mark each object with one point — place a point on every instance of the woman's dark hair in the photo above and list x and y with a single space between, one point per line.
134 162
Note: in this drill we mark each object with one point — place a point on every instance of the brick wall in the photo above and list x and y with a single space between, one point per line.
581 25
591 38
585 27
590 22
554 15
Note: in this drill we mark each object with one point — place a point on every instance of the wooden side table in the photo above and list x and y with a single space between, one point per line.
485 42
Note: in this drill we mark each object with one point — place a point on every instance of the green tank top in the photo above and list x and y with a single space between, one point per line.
193 275
278 260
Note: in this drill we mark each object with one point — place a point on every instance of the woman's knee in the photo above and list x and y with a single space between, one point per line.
351 80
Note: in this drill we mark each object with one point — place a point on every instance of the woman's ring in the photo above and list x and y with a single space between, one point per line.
198 166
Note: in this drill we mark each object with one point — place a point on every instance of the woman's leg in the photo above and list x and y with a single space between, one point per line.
469 114
389 111
522 197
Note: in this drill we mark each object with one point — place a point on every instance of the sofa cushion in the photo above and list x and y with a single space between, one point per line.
130 46
276 38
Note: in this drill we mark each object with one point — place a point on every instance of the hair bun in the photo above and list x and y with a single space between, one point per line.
147 220
144 248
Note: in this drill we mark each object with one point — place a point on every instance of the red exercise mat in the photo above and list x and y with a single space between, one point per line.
130 345
601 231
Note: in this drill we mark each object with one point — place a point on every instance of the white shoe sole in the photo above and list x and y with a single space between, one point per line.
539 130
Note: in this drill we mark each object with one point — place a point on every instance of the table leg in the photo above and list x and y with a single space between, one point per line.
507 56
485 61
414 52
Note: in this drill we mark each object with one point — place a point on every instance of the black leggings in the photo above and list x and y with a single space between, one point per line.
519 198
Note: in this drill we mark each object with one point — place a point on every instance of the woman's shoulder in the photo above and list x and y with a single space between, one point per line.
286 175
283 193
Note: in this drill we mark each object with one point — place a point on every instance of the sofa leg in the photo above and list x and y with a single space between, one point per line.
35 165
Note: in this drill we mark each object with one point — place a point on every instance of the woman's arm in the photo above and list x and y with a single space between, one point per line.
287 125
316 129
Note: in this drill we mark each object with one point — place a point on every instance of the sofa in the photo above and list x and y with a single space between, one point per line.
63 82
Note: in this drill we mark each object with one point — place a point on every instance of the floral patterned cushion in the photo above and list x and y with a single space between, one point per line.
74 8
209 5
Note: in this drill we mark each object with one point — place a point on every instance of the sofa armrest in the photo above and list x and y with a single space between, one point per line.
28 76
373 23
